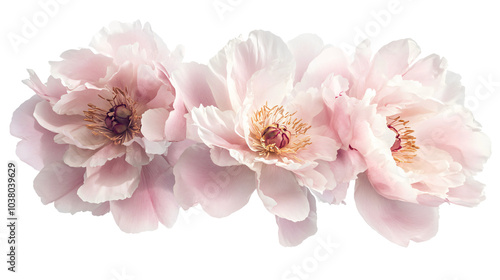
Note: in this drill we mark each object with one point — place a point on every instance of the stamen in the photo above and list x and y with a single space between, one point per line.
404 148
276 132
120 123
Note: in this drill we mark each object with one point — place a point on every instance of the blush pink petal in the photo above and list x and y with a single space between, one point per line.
153 200
37 147
334 196
72 129
262 51
153 124
51 92
392 59
136 154
454 130
304 49
176 149
110 40
398 221
281 194
115 180
76 102
77 157
175 126
216 128
470 194
330 61
59 183
81 66
293 233
194 94
219 190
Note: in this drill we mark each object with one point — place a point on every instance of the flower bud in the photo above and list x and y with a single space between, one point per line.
277 135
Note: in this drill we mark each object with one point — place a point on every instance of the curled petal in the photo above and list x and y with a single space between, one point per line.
293 233
219 190
279 190
398 221
114 180
152 202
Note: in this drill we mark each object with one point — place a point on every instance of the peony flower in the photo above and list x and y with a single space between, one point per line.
256 132
101 129
420 145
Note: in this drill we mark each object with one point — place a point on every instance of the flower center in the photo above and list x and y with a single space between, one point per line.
403 149
120 123
276 132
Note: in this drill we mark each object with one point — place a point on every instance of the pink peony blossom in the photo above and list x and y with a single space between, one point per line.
101 129
257 131
420 145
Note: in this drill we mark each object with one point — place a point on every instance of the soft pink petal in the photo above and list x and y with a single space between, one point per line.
330 61
176 149
454 131
191 82
77 157
279 190
391 60
164 98
115 180
262 51
175 126
136 154
397 221
217 128
51 91
335 196
304 48
59 183
37 146
77 102
147 83
79 66
153 124
152 202
293 233
219 190
72 128
470 194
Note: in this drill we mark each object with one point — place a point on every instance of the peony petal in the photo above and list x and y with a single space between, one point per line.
279 190
391 60
59 183
37 146
51 92
217 128
153 124
293 233
330 61
262 50
114 180
397 221
219 190
77 102
175 126
77 157
152 201
191 84
71 128
470 194
80 66
304 48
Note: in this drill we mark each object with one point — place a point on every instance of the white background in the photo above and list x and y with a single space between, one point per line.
52 245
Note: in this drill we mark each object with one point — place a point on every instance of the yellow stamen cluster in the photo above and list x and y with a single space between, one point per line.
292 129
